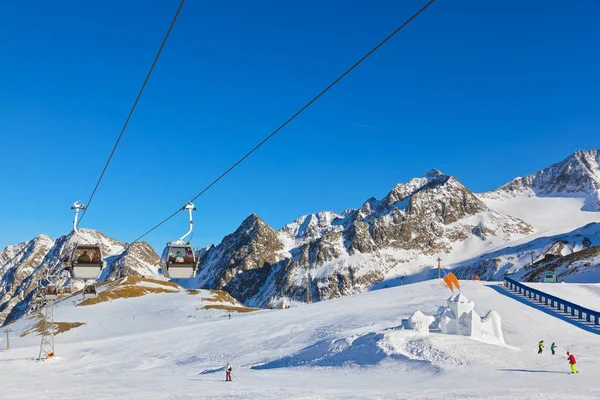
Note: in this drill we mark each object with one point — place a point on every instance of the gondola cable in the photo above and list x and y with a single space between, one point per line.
307 105
162 45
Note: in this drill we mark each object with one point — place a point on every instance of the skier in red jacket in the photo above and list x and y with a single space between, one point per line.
572 362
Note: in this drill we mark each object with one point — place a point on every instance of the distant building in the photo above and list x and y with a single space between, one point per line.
549 277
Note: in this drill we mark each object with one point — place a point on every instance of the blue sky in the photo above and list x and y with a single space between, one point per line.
482 90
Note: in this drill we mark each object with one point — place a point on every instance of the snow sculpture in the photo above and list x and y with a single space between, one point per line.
420 322
491 325
460 318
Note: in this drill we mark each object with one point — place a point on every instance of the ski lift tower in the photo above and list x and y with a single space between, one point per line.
531 253
46 296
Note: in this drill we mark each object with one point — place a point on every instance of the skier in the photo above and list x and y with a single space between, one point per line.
540 347
572 362
228 370
553 347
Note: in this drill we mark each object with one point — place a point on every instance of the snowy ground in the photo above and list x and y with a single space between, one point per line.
155 346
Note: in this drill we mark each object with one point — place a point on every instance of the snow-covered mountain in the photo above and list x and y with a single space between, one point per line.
577 175
573 256
23 265
348 253
561 203
398 236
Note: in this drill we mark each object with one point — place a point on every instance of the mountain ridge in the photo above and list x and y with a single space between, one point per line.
328 254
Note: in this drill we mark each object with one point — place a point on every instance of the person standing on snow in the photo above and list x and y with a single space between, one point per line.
228 370
553 347
540 347
572 362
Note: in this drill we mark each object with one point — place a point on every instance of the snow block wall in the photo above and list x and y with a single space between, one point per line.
420 322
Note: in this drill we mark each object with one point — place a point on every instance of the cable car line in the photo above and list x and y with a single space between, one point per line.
178 261
307 105
137 99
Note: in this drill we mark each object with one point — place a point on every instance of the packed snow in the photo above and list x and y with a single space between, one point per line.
167 345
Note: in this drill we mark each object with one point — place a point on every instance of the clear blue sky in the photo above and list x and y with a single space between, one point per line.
482 90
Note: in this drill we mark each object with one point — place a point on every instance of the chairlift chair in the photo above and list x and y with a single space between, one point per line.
178 260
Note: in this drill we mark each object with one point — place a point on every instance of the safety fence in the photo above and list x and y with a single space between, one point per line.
576 311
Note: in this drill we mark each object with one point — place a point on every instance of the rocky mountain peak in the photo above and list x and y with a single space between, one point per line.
253 245
578 173
253 226
311 226
403 190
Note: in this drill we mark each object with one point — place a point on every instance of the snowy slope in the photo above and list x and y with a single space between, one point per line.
345 348
572 255
548 215
556 199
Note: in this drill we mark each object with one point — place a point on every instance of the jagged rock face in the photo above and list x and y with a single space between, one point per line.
22 267
579 173
347 253
25 264
254 245
426 215
312 226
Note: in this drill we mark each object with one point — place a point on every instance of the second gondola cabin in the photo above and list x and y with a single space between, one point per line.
178 261
51 292
86 262
89 292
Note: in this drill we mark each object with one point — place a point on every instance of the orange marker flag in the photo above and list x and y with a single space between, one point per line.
452 278
448 282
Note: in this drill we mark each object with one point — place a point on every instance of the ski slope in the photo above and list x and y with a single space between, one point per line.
157 345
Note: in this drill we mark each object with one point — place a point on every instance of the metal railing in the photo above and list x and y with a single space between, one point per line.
554 302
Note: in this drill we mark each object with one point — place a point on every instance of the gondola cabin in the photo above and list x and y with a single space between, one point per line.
86 262
178 261
89 292
51 292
